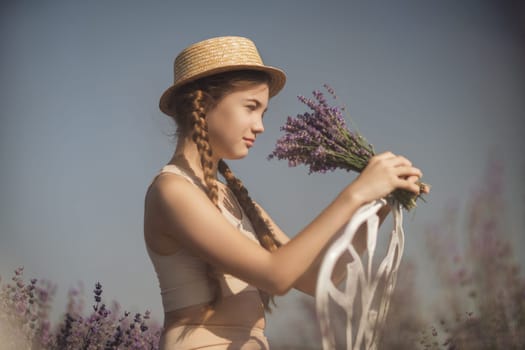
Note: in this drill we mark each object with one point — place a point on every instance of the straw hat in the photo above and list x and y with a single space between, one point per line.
217 55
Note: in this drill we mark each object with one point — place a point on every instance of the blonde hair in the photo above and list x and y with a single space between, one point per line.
191 103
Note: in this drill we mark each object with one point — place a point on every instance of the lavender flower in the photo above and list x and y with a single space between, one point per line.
24 320
321 140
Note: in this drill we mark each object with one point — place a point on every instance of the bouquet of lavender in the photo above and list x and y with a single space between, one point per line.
321 140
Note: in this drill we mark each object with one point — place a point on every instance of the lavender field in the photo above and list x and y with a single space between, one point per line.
480 303
82 137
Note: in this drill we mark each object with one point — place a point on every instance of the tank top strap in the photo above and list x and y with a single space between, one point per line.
173 169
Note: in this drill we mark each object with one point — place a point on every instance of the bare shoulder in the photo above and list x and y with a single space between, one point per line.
170 187
171 196
165 191
194 221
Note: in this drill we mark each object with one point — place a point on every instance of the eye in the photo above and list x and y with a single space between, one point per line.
251 107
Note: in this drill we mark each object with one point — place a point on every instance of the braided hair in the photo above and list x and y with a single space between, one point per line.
191 103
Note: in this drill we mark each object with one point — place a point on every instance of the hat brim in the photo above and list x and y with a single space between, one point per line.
277 81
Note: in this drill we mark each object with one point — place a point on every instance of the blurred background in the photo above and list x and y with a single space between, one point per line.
81 135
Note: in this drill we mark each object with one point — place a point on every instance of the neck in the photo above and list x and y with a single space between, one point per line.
187 156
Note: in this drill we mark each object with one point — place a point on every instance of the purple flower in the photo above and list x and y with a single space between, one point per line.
321 140
26 307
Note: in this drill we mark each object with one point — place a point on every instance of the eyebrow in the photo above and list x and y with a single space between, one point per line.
257 102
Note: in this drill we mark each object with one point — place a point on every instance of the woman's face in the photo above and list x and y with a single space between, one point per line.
233 125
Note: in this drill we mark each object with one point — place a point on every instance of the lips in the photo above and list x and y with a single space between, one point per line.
249 141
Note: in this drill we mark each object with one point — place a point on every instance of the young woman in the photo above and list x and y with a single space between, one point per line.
218 256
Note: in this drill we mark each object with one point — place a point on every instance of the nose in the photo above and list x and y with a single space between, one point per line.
258 126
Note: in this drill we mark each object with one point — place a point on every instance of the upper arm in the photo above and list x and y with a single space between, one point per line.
192 219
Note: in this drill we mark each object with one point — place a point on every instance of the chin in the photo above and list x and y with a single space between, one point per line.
236 155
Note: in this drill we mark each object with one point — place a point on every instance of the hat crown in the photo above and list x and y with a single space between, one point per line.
213 54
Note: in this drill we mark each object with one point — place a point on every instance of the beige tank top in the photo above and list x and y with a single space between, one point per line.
182 276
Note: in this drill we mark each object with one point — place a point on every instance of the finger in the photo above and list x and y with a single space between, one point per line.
413 178
407 185
404 160
384 155
397 161
406 172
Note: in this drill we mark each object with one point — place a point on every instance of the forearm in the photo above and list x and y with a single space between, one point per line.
360 238
308 282
307 247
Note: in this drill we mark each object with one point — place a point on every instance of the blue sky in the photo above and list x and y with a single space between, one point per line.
81 135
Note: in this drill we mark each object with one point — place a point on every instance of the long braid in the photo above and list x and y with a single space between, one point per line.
191 103
200 137
262 229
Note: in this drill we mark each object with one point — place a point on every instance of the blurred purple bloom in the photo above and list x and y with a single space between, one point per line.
24 316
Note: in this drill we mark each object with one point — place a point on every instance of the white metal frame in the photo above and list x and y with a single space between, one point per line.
373 311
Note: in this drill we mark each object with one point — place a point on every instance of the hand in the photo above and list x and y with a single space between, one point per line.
383 174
